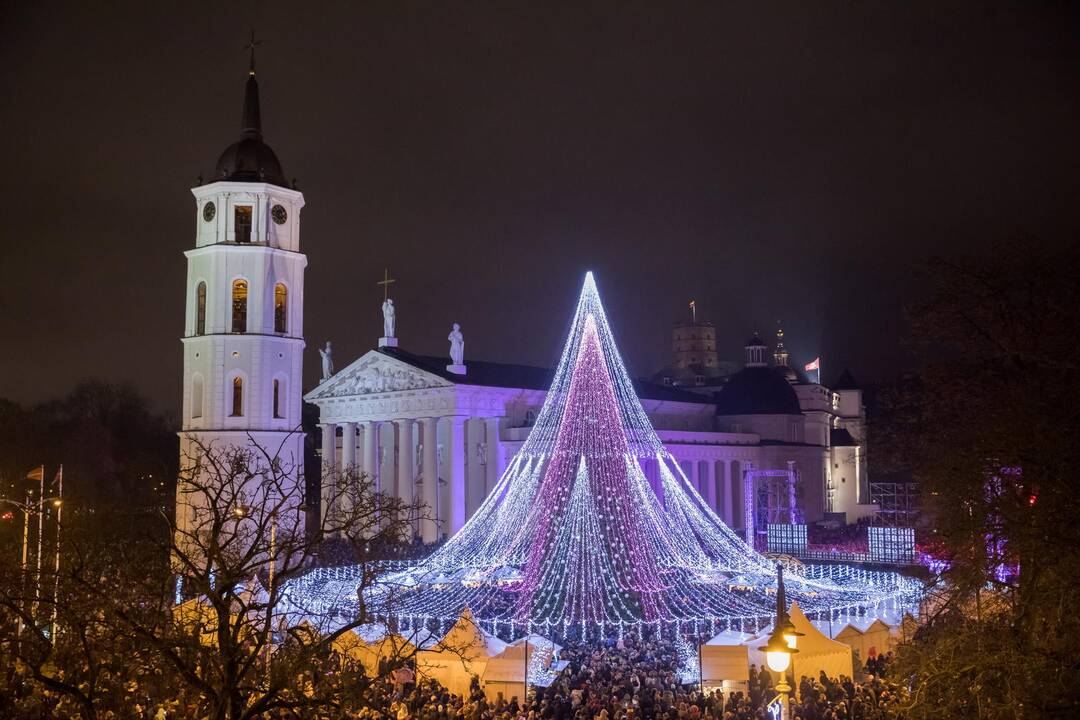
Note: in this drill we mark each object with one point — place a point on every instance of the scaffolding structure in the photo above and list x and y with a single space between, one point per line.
769 497
897 501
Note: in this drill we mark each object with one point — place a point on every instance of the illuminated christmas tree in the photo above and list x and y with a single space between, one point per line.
574 536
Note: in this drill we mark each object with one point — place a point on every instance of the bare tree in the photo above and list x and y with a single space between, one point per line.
255 623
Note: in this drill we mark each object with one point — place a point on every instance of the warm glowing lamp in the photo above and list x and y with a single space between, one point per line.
778 652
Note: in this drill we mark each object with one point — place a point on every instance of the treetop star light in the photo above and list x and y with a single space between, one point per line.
573 539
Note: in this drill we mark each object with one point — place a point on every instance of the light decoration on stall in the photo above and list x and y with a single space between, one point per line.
574 540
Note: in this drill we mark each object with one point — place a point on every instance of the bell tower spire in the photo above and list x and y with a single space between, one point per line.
251 123
780 354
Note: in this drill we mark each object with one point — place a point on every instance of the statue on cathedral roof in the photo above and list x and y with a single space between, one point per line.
327 361
457 345
388 314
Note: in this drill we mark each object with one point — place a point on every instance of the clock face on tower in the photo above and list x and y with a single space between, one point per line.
278 213
208 211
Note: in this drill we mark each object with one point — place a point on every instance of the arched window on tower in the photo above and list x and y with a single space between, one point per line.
281 308
239 306
197 396
200 309
237 397
277 399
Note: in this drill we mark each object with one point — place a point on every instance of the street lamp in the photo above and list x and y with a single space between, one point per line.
782 641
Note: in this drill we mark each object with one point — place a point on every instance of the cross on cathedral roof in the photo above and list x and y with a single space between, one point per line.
252 44
386 282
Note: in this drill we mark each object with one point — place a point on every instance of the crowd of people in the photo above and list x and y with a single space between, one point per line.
622 679
629 679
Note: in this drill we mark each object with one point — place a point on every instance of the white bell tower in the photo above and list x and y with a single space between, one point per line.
244 321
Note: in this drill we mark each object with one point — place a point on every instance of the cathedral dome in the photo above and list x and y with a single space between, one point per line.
757 391
250 159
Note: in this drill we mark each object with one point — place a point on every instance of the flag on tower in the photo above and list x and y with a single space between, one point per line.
37 473
815 364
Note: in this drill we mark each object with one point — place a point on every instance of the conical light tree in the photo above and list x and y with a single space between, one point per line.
574 535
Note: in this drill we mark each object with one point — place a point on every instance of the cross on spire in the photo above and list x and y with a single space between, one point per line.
252 44
385 282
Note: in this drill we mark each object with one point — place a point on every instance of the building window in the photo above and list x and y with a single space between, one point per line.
277 399
281 307
237 397
200 309
197 396
242 223
239 306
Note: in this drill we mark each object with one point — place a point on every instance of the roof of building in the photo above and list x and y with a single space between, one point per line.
250 159
840 437
756 341
757 391
526 377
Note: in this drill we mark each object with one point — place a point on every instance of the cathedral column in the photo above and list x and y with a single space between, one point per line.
429 526
406 478
710 483
455 443
695 476
368 458
348 446
328 452
382 484
474 470
493 454
729 495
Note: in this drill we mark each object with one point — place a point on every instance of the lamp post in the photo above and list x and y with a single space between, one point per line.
781 644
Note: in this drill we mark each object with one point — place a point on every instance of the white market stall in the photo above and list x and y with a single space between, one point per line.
531 660
370 644
463 652
725 661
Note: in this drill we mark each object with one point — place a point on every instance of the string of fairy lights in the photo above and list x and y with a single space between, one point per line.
574 539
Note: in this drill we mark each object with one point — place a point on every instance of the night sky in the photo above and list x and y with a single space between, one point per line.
790 163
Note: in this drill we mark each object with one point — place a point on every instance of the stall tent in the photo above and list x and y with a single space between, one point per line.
530 659
463 652
368 644
724 660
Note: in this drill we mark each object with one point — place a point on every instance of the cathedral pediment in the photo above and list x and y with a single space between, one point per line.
375 374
